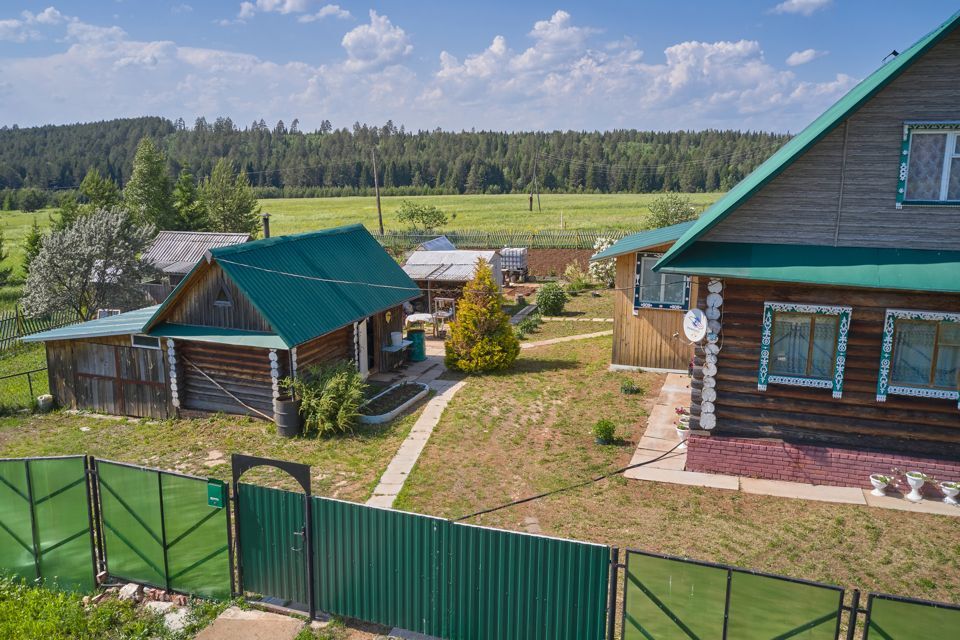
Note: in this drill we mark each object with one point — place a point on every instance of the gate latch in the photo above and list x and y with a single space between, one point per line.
302 535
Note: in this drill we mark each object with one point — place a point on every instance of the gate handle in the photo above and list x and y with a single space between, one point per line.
301 534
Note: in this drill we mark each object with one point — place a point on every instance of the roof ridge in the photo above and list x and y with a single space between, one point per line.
264 243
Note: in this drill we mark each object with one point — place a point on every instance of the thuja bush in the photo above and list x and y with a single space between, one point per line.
481 338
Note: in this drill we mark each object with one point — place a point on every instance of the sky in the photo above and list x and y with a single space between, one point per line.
496 65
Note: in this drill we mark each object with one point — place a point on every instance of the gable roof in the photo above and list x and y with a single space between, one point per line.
177 252
447 266
118 325
643 240
309 284
799 144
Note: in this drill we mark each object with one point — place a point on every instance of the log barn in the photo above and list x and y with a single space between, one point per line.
830 277
648 307
244 318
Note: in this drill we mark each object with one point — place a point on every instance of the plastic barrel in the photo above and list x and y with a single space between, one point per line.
418 350
287 415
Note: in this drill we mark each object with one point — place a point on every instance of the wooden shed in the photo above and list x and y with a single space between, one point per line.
244 318
442 273
830 277
648 307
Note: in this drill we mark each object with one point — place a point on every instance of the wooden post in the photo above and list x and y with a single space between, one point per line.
376 188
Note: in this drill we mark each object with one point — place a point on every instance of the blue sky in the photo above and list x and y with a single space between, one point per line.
676 64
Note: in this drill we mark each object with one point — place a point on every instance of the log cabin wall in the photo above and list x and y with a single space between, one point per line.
108 375
243 371
652 339
904 424
809 203
336 345
199 304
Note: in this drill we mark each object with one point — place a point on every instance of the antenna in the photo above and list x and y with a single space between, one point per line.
892 54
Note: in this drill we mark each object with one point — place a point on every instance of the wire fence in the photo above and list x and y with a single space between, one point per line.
15 324
18 391
549 239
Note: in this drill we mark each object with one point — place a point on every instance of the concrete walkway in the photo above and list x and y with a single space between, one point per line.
562 319
251 624
523 313
661 436
582 336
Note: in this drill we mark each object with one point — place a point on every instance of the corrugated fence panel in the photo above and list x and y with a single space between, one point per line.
16 530
273 558
455 581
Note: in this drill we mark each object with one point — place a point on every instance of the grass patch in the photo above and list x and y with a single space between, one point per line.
597 303
346 466
529 430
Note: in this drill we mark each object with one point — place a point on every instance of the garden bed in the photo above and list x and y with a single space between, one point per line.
393 401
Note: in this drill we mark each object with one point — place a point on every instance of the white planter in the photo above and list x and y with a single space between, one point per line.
396 338
684 419
683 434
880 483
949 492
916 480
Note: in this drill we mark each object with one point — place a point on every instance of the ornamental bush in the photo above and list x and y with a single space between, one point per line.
551 298
481 338
330 397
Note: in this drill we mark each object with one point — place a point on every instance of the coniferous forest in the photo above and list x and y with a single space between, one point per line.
284 161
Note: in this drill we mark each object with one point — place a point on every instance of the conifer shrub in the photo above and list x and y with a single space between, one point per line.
550 299
481 338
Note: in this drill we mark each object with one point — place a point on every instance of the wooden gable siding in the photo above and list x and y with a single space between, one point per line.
654 337
243 371
908 424
108 375
336 345
196 304
801 205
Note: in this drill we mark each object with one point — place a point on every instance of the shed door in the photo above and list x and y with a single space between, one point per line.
121 380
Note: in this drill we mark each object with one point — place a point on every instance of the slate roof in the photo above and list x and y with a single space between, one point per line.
176 252
121 324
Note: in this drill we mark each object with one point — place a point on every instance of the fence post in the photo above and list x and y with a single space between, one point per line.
33 521
726 604
97 517
30 385
308 540
854 615
163 533
230 505
612 595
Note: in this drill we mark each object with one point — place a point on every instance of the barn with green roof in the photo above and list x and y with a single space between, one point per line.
830 279
243 319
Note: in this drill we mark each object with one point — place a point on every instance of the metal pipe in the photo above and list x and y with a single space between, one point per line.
612 596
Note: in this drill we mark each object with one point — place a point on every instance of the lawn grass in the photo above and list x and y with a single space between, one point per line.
589 304
346 467
16 392
526 431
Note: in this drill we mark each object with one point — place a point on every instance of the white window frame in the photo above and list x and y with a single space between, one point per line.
884 388
912 129
644 302
835 383
133 342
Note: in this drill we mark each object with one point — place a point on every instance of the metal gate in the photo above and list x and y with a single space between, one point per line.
46 522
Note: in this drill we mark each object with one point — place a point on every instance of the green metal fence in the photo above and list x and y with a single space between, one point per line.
896 618
45 521
667 598
158 529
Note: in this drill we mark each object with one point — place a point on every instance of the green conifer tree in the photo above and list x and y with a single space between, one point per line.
191 212
148 194
229 200
481 338
31 245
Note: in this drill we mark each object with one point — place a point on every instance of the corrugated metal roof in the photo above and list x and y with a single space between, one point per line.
449 266
800 143
460 256
177 251
218 335
444 272
912 269
643 240
308 284
438 244
118 325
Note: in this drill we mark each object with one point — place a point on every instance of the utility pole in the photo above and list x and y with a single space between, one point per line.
376 187
536 185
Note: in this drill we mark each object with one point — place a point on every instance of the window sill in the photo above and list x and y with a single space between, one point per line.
922 392
817 383
670 306
929 203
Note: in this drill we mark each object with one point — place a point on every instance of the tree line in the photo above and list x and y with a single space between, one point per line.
284 161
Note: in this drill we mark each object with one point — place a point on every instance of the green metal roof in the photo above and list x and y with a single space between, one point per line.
118 325
309 284
643 240
240 337
913 269
800 143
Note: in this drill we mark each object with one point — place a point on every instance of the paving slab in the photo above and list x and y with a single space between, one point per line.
802 491
237 624
694 478
902 504
523 313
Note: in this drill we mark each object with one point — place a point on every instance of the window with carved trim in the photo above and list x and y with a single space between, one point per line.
659 290
930 164
920 355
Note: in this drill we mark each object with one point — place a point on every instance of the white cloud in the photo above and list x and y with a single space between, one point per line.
802 7
16 31
50 15
798 58
27 26
555 40
376 44
326 11
181 8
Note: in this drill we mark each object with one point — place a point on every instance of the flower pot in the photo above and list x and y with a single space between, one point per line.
396 338
916 480
684 419
683 432
880 483
950 491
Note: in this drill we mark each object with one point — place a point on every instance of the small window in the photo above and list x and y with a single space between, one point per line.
659 290
145 342
930 164
223 298
921 355
803 345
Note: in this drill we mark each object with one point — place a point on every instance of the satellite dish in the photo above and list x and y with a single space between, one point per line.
694 325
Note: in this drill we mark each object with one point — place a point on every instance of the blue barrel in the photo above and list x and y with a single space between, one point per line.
418 350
